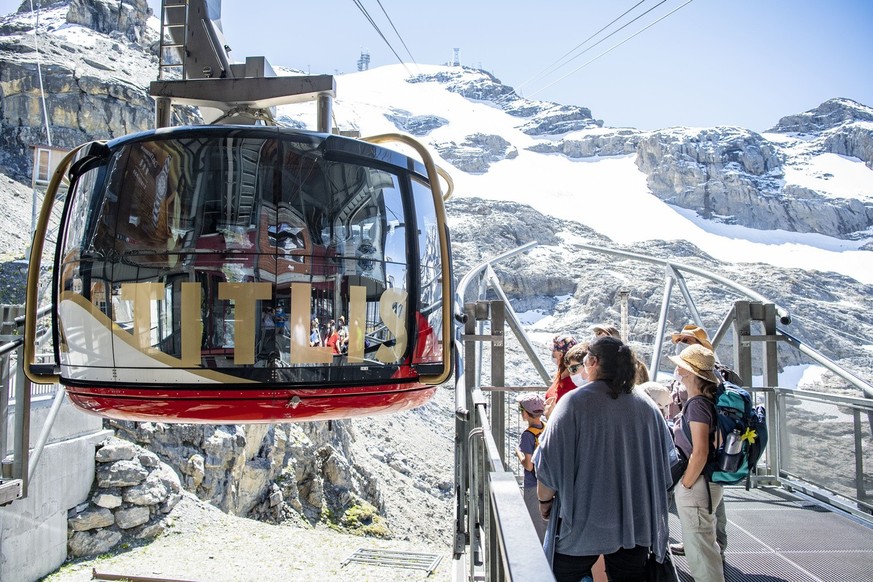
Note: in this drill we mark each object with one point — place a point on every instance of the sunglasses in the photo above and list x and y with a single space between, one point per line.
573 368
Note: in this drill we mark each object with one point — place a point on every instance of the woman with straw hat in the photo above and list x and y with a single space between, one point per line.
695 496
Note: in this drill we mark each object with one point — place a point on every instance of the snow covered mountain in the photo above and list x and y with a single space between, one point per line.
788 199
799 197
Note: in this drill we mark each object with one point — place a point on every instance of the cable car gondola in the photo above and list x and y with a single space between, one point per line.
177 246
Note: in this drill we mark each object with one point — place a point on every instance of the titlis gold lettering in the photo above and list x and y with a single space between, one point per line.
245 297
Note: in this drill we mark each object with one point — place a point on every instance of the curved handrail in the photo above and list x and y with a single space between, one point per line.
36 249
425 157
784 315
796 343
462 286
433 174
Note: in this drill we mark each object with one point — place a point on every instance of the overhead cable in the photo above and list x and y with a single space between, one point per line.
48 132
611 49
397 32
605 37
366 14
550 68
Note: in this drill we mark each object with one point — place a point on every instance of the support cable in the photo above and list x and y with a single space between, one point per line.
397 32
551 68
372 22
48 132
611 49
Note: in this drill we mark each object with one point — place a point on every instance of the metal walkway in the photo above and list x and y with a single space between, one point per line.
775 536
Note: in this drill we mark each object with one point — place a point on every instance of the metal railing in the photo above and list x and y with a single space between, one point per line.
16 395
494 536
825 448
808 431
494 531
11 355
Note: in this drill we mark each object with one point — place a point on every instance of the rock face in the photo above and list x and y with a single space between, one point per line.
736 176
300 472
603 143
132 494
853 139
417 125
830 114
97 90
477 152
846 128
542 117
128 17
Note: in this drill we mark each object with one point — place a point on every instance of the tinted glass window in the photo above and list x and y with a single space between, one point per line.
235 254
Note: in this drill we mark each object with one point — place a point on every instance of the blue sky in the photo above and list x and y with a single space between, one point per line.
743 62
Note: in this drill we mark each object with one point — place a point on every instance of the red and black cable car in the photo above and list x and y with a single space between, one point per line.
192 264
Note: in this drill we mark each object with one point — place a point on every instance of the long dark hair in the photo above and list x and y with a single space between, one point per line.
617 363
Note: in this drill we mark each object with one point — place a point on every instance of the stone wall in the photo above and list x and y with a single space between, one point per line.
132 494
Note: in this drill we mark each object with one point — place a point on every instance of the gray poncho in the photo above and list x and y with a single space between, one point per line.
608 459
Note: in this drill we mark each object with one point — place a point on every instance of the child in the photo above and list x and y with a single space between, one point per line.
531 406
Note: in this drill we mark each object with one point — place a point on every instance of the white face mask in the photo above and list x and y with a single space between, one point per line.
577 379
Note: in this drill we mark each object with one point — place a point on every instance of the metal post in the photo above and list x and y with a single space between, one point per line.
325 112
21 450
46 431
472 519
468 485
662 323
683 289
5 383
463 423
743 347
859 456
516 327
771 371
623 296
498 398
480 328
163 112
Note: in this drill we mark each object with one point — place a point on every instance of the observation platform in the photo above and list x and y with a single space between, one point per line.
776 536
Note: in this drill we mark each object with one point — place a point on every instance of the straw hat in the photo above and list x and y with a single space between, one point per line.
693 333
698 360
657 392
605 328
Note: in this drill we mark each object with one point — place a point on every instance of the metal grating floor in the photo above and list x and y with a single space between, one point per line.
395 559
774 536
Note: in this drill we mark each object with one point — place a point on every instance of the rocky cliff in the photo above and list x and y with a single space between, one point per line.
96 84
738 177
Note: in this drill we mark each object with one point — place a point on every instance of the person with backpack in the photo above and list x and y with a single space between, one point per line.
531 406
689 335
695 495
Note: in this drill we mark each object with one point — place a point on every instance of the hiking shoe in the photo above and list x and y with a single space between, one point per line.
677 549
